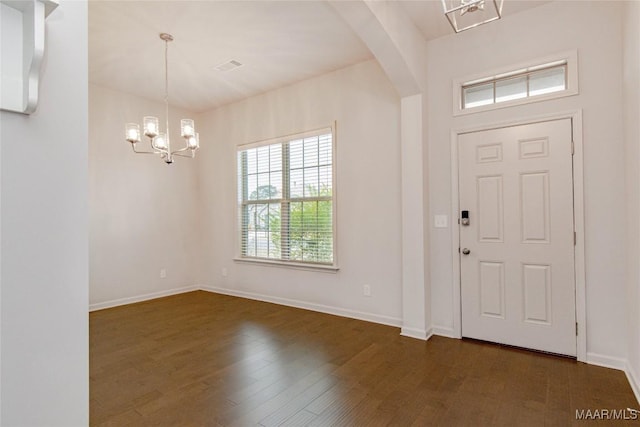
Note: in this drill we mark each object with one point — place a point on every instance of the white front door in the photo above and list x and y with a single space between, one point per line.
517 253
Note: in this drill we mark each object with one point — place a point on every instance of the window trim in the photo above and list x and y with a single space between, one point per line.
569 58
293 264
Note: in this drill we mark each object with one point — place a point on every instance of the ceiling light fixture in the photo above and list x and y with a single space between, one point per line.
466 14
160 142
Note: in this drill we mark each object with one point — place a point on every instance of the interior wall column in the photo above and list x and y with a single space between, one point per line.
400 49
416 321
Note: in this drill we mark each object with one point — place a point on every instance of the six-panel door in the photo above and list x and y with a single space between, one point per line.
517 281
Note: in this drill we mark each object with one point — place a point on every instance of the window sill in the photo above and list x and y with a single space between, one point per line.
289 264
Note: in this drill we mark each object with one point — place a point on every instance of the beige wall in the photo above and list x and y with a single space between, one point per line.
631 82
143 212
548 29
366 108
44 256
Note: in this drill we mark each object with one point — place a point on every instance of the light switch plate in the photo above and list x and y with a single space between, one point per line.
441 221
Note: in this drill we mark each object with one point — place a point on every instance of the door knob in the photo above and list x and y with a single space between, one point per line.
466 251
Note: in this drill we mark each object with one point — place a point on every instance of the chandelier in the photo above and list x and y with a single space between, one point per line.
160 142
466 14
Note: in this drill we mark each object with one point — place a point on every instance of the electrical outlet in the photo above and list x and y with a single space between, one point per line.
366 290
163 273
224 272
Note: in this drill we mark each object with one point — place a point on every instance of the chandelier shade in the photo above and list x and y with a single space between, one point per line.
467 14
160 142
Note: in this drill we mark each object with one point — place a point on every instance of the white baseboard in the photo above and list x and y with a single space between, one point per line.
606 361
420 334
634 380
337 311
619 364
140 298
444 331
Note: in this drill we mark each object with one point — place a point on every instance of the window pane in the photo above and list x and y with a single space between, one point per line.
275 157
250 247
261 221
264 190
274 230
310 216
311 151
510 89
263 159
324 150
325 215
310 248
310 238
547 81
325 232
296 183
262 244
275 181
252 187
251 217
295 231
252 162
261 217
295 154
244 220
311 182
476 96
325 178
251 230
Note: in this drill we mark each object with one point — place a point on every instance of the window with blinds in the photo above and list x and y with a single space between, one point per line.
285 199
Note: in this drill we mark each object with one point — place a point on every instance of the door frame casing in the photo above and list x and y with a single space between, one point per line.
578 213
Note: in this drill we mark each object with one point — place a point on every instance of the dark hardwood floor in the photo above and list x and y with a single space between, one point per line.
202 359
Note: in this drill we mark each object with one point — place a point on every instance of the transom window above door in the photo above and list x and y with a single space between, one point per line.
536 81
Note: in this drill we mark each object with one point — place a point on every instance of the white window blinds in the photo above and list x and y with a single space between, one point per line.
541 80
285 198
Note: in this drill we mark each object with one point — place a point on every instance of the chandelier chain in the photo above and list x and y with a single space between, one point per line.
166 90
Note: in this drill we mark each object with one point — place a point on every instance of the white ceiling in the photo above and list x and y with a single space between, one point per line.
278 43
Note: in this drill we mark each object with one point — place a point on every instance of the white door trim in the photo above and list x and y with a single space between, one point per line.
578 201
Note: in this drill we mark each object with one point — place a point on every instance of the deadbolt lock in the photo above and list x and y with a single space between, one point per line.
464 218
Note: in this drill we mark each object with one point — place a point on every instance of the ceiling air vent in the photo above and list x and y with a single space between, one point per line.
228 66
